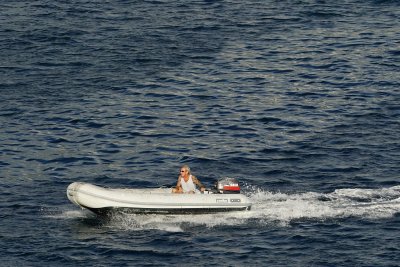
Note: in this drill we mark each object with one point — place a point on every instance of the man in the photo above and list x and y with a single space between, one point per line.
187 182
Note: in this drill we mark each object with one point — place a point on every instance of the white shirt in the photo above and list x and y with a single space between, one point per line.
189 185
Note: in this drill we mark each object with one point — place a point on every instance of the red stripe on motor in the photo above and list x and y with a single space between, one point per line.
232 188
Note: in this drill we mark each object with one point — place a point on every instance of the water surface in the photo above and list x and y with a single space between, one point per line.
299 100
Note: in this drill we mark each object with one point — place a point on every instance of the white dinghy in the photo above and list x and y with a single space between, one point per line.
225 196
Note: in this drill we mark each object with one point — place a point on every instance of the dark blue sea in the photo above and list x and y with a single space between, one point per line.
299 100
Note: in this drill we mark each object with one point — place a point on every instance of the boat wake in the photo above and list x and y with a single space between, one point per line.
340 204
269 208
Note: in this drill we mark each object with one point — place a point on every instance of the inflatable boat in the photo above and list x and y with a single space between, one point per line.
224 197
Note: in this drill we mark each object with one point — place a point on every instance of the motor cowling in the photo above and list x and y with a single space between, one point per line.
227 186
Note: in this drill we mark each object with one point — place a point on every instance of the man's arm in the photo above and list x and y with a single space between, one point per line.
197 182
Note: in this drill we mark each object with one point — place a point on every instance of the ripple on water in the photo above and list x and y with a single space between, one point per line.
299 102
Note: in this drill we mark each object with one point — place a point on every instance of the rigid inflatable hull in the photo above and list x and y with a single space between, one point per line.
105 201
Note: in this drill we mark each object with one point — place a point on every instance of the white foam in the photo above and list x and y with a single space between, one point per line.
61 213
363 203
143 222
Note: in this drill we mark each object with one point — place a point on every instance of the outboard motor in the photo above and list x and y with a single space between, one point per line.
227 186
